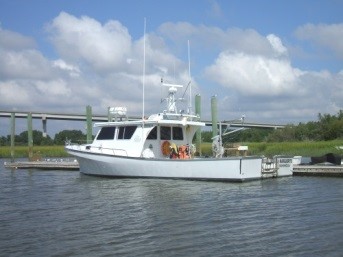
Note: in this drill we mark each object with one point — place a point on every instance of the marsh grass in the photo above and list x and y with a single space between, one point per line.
304 148
43 151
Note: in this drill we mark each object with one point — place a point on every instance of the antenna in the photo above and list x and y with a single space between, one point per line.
190 78
143 111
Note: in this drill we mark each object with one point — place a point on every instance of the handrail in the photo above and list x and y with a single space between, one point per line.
89 147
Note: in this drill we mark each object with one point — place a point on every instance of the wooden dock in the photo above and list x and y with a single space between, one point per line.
318 170
44 165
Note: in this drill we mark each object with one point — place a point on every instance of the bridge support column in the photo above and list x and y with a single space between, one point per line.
198 133
89 124
12 135
44 121
29 135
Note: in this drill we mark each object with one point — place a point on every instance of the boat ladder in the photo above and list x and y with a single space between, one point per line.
269 168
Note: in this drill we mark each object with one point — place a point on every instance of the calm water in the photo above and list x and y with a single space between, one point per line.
64 213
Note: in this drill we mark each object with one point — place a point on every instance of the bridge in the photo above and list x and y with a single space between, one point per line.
52 116
44 116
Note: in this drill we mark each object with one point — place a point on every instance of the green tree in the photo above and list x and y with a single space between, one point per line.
206 136
3 141
283 135
75 136
37 137
330 126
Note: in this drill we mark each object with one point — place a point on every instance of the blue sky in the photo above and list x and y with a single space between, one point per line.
273 61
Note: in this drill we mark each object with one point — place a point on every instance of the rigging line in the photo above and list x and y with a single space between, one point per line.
186 89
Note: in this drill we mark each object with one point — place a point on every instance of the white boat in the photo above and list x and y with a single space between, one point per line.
161 147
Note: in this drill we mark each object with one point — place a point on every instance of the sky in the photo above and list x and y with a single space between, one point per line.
276 62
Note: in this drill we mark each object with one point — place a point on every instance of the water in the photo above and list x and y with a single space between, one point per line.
65 213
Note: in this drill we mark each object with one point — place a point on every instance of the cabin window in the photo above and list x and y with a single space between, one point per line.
165 133
106 133
177 133
126 132
153 133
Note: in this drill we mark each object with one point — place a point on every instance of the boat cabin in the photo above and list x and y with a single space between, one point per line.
157 137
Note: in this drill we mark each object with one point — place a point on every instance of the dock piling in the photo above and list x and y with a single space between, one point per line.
12 135
29 135
89 123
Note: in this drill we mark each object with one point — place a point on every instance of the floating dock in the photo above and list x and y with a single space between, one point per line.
318 170
44 165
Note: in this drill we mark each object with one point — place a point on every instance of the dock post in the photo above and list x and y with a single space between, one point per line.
214 113
89 123
198 133
12 135
29 135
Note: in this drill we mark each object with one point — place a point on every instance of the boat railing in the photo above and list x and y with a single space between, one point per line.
180 115
98 149
108 150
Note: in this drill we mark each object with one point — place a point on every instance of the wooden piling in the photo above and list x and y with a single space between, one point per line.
30 135
12 135
89 124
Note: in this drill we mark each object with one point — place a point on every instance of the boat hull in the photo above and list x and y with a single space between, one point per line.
230 169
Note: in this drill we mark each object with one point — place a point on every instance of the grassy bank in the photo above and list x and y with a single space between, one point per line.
267 149
305 148
43 151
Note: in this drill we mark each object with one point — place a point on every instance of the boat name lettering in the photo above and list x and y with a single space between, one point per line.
285 160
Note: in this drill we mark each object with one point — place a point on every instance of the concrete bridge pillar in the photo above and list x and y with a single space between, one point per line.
44 121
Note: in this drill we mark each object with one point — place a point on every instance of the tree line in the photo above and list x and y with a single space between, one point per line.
75 136
327 127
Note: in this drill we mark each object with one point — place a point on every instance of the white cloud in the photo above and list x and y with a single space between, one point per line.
24 64
277 45
328 35
13 41
73 70
206 39
54 88
93 68
253 74
14 95
104 47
